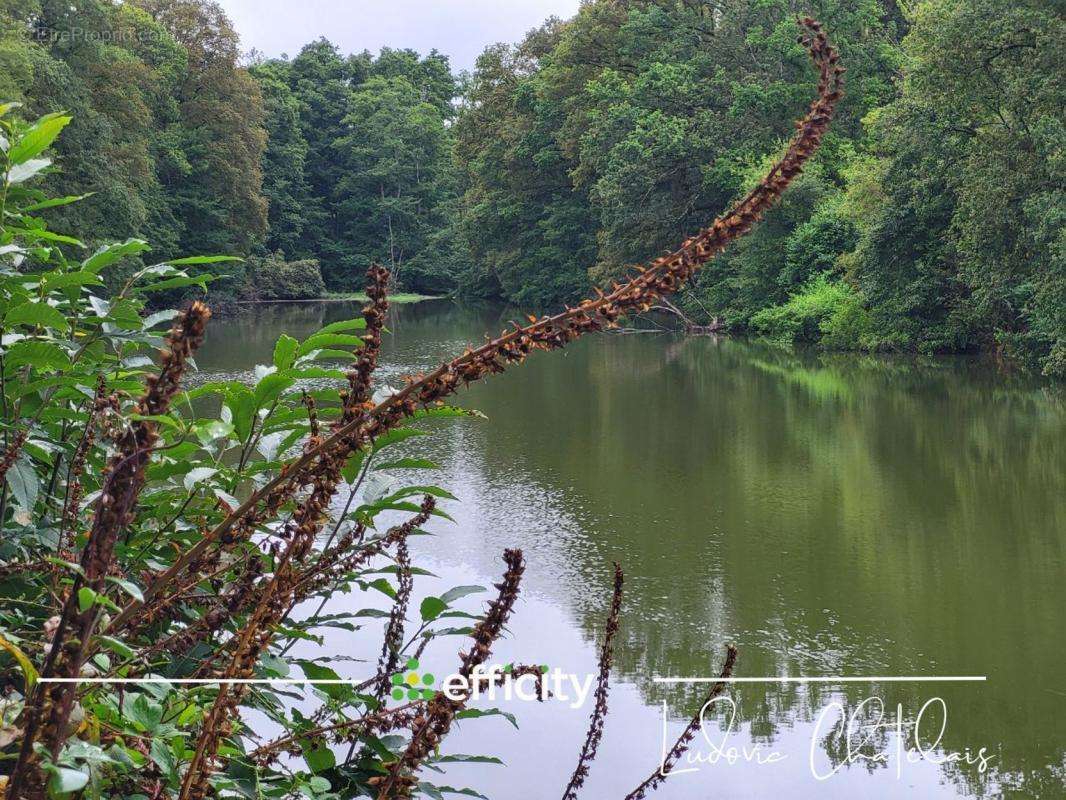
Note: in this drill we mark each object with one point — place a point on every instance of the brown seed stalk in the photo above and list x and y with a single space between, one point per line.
437 721
599 710
685 740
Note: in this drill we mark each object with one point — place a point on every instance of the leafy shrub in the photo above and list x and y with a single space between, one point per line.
274 278
825 311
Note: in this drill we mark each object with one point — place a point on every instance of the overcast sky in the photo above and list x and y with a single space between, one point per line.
459 28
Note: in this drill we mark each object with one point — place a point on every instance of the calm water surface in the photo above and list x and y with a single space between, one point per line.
830 515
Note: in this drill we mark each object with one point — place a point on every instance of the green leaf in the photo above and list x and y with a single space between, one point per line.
109 254
457 592
344 325
61 280
23 172
65 780
129 587
35 314
319 758
145 712
198 475
321 341
464 792
179 262
317 672
460 758
285 351
24 482
164 758
125 314
53 202
435 491
37 138
241 403
350 471
394 436
178 282
431 608
40 355
212 431
86 598
270 386
474 713
29 672
384 587
116 646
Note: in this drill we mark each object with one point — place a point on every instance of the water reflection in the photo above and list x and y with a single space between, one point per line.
829 514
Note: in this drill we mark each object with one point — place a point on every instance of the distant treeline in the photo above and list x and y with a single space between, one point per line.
932 219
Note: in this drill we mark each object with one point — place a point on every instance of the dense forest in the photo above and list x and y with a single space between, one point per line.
931 220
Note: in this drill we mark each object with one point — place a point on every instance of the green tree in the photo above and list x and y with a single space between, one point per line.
221 109
285 159
396 175
531 234
966 247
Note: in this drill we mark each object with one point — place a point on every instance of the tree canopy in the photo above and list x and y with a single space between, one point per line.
931 219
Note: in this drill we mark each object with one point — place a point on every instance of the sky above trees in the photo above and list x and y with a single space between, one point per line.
461 29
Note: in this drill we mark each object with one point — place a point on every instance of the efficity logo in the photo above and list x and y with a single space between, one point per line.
496 682
412 685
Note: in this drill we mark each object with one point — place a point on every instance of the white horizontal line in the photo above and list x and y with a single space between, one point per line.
211 681
354 682
831 679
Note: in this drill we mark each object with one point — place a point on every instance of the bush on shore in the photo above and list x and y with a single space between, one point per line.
273 278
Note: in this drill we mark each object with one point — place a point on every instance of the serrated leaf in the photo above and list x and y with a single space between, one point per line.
344 325
24 482
321 341
37 354
21 173
285 351
198 475
270 386
109 254
40 135
35 314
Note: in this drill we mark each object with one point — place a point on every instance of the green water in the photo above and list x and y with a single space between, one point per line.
830 515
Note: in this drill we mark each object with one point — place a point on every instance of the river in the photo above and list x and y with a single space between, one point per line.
831 515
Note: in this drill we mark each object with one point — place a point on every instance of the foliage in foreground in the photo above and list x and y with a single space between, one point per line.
147 536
